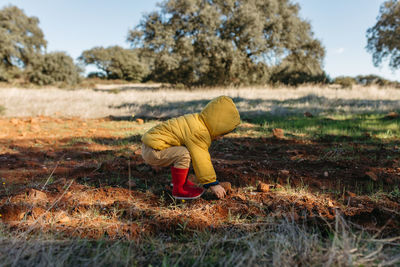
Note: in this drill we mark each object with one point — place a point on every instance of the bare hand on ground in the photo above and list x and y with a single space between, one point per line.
218 190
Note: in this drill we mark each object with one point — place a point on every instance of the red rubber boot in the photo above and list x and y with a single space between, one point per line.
193 187
178 180
188 183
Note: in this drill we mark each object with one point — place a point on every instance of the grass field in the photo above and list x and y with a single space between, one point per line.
75 190
154 101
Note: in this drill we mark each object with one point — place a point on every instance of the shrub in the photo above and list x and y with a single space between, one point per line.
298 77
213 43
375 80
345 81
115 62
2 110
9 73
54 68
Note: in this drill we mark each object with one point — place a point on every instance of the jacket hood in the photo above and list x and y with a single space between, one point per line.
220 116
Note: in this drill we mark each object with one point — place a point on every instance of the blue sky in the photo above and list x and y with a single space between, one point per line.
77 25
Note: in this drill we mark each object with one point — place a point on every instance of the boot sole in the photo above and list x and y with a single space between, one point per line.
188 197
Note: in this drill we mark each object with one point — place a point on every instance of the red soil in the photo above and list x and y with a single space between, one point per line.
54 182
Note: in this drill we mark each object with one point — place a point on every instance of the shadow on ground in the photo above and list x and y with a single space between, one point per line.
250 108
101 187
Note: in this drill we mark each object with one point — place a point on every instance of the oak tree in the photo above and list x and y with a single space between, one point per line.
220 42
384 37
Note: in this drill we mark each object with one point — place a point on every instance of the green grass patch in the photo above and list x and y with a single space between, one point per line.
335 128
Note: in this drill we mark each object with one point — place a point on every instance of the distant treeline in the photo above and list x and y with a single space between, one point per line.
185 42
365 80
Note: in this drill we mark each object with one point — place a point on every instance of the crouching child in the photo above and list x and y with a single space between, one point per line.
178 141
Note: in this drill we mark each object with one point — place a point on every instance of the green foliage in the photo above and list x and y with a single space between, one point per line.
338 127
116 62
21 40
9 73
375 80
53 68
345 81
298 77
22 46
215 42
383 41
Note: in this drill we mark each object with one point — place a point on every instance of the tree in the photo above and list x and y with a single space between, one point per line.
383 37
116 62
21 40
51 68
220 42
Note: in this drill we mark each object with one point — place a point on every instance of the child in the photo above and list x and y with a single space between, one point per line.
177 141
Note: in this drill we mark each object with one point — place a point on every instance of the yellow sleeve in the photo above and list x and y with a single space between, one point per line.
202 165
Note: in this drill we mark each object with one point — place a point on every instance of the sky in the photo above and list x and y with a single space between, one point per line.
76 25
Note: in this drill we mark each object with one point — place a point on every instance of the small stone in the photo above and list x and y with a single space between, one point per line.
139 121
262 187
326 174
392 115
351 194
278 133
308 114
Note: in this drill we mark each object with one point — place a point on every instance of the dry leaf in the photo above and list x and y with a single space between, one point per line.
262 187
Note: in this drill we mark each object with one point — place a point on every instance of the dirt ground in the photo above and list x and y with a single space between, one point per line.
81 177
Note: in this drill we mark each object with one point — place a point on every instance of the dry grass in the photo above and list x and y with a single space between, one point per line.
269 243
282 243
154 101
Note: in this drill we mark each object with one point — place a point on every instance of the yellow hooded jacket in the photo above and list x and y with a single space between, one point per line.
196 131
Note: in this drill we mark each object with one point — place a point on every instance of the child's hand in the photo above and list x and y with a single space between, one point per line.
218 190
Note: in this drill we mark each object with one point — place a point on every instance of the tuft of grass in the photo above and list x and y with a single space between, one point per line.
283 243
